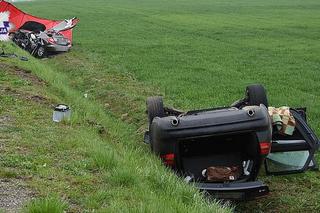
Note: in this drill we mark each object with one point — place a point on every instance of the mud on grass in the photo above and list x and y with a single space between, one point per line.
24 74
22 78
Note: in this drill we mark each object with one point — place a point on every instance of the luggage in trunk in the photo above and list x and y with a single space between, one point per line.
237 152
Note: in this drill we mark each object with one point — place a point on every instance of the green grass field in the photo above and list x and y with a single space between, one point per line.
196 54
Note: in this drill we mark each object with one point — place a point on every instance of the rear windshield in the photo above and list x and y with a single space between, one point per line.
33 26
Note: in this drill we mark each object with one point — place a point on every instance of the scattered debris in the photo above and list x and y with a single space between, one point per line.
124 116
282 119
61 112
102 130
12 55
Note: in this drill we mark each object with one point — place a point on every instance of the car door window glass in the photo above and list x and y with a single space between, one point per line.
287 161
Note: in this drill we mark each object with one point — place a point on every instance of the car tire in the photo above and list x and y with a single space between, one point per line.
155 108
256 95
41 52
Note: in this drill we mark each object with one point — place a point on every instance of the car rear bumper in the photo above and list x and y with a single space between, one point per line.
57 48
235 191
164 135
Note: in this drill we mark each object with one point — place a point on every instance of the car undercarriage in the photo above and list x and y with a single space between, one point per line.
221 150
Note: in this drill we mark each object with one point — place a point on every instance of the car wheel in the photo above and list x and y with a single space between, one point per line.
155 108
256 95
41 52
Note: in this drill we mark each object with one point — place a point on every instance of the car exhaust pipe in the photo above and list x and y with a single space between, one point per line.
175 121
251 112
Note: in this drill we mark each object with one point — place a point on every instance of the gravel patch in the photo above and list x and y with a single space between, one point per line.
13 195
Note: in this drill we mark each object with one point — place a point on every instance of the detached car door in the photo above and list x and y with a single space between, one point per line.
294 153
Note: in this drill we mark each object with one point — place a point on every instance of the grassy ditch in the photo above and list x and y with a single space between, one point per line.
197 54
93 162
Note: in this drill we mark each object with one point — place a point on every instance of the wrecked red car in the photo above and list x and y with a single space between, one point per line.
39 41
37 35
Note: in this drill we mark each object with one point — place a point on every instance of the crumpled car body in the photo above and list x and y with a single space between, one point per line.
34 38
37 35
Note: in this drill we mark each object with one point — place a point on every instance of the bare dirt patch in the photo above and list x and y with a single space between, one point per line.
24 74
38 99
28 76
9 91
27 96
14 195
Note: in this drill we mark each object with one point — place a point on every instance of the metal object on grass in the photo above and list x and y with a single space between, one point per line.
61 112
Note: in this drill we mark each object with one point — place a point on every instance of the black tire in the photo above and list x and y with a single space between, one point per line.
256 95
155 108
41 52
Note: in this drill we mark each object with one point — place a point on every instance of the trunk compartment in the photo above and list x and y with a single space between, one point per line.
231 150
228 150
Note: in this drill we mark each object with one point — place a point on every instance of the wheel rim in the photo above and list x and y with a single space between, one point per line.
40 51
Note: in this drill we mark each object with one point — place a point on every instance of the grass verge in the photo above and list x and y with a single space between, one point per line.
197 54
87 168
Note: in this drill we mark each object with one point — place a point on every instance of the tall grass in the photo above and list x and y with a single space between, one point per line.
46 205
